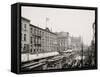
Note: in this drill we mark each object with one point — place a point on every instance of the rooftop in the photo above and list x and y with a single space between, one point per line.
47 29
25 19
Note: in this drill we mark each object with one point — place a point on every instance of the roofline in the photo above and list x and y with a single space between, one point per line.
25 19
36 26
42 29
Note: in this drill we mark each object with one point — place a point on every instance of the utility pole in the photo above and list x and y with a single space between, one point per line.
82 51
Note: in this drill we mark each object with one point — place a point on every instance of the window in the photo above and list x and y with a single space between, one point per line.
37 32
24 37
40 33
31 40
25 48
25 27
31 50
34 50
31 29
34 31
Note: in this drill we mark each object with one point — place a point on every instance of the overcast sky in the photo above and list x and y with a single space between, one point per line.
76 22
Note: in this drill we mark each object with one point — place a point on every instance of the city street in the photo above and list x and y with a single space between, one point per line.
64 60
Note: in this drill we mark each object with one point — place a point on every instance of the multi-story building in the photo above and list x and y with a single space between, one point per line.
25 27
42 40
36 40
63 41
76 43
67 42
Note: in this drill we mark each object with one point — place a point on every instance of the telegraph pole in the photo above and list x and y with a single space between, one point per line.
82 51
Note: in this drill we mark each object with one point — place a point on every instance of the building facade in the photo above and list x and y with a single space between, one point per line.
66 42
36 40
25 27
42 40
76 43
63 41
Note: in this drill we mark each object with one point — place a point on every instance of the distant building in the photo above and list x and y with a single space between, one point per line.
63 41
66 42
76 43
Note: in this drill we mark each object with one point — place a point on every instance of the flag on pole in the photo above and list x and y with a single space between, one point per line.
47 19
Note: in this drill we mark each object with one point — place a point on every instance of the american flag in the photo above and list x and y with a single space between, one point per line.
47 19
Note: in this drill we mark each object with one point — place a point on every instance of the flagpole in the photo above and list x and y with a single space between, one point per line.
46 22
47 19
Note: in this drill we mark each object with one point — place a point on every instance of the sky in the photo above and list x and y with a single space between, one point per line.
76 22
